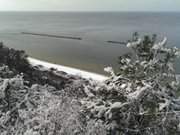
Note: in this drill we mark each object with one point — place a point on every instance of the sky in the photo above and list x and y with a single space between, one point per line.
90 5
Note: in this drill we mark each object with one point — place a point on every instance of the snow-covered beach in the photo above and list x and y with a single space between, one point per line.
69 70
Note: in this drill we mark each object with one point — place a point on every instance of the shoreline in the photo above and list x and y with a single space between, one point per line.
68 70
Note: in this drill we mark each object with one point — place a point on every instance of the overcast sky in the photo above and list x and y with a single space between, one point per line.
90 5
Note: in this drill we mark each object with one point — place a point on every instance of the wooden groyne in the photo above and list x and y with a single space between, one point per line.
117 42
54 36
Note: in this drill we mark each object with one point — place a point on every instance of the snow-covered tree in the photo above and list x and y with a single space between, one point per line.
142 97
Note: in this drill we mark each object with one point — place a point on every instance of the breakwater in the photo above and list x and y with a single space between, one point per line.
49 35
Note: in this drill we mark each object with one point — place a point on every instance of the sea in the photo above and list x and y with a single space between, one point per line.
93 53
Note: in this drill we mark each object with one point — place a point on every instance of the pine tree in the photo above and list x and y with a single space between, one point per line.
149 60
141 99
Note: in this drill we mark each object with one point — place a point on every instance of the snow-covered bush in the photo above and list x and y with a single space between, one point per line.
44 110
38 110
142 97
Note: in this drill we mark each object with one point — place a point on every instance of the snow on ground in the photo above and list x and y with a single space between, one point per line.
69 70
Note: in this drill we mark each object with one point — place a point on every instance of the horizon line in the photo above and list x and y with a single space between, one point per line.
85 11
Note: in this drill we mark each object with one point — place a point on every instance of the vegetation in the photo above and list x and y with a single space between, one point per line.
17 62
141 98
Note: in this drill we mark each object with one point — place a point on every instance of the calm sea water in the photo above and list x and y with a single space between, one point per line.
92 53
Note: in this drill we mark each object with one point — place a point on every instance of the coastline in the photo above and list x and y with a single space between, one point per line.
69 70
